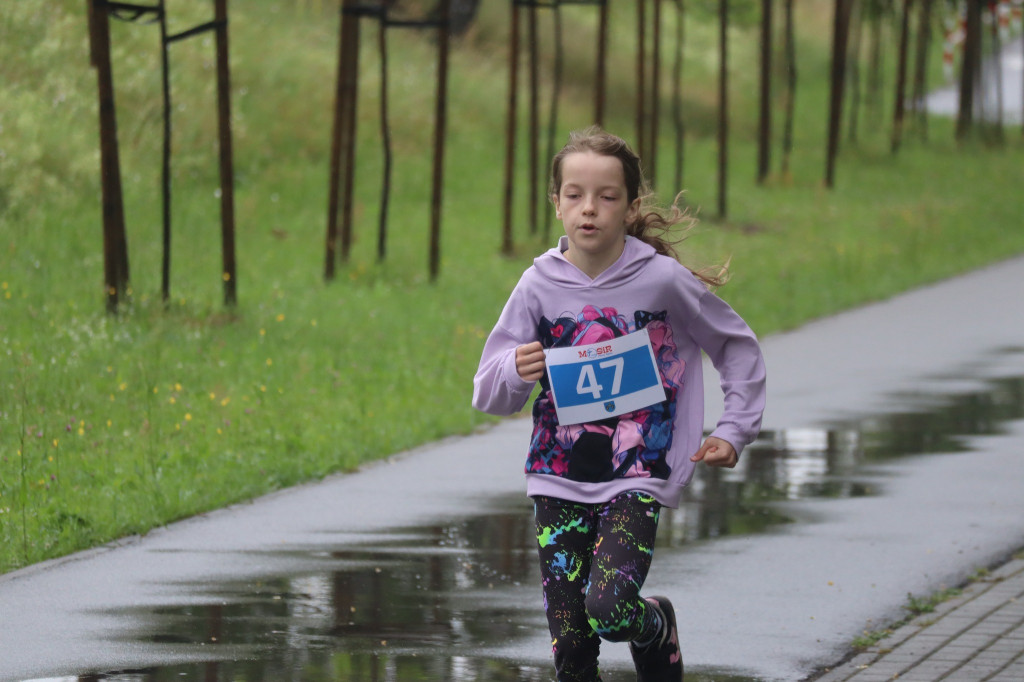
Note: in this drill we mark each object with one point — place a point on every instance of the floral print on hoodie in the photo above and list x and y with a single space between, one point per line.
629 445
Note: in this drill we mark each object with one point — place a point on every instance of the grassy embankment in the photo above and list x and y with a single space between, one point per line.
110 426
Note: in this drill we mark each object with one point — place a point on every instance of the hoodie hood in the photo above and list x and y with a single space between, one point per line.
555 267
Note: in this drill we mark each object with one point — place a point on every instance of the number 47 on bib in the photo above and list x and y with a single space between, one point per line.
601 380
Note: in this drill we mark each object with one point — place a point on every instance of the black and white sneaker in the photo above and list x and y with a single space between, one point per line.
661 660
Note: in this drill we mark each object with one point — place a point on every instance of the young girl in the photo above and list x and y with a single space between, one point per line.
598 487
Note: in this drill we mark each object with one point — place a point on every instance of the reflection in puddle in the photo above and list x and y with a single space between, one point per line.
450 601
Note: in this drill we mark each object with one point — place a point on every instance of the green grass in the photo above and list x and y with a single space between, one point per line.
915 606
111 426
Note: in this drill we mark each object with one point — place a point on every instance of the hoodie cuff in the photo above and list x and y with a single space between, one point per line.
511 375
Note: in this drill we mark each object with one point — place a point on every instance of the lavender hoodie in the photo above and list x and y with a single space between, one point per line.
648 450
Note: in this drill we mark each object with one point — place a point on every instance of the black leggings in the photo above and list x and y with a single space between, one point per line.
594 559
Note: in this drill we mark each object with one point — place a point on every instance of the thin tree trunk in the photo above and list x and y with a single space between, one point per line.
787 134
970 67
854 71
165 169
920 88
641 77
602 60
901 78
510 130
534 110
115 243
677 97
385 136
556 90
997 75
440 128
874 85
227 166
723 107
652 139
765 119
840 33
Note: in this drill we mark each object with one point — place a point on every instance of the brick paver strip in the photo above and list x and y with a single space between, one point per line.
977 636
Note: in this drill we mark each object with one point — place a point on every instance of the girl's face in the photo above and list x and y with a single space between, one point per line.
594 208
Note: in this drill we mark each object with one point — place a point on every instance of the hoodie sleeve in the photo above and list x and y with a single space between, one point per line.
734 351
497 386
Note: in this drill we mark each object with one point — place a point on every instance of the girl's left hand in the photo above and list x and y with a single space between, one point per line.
716 452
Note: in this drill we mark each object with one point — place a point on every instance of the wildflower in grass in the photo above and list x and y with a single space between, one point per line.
188 416
122 386
269 362
263 332
224 403
280 317
177 387
172 400
56 442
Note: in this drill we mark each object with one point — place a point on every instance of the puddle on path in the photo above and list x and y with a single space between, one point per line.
452 601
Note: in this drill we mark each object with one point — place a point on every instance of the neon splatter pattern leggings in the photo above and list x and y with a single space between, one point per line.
594 559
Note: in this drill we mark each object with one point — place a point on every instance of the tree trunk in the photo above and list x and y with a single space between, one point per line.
787 131
510 130
854 71
901 78
440 129
764 132
115 242
970 67
227 167
677 98
920 87
840 33
723 106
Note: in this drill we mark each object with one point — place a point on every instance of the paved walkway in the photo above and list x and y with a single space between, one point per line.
975 637
771 606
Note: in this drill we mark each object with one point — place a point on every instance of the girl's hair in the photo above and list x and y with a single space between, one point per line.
653 224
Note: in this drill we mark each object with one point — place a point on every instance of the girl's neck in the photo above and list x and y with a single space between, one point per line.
592 265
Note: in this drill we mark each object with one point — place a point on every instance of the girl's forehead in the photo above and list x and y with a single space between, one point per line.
591 167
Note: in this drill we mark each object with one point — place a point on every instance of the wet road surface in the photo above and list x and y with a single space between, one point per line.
890 464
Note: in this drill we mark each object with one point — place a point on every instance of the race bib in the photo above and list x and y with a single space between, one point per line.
606 379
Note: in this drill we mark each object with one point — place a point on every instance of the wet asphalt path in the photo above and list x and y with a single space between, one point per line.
770 606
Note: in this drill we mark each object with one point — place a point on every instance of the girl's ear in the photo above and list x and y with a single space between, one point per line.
558 211
634 210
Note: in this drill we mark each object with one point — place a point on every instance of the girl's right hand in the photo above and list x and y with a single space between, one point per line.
530 361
